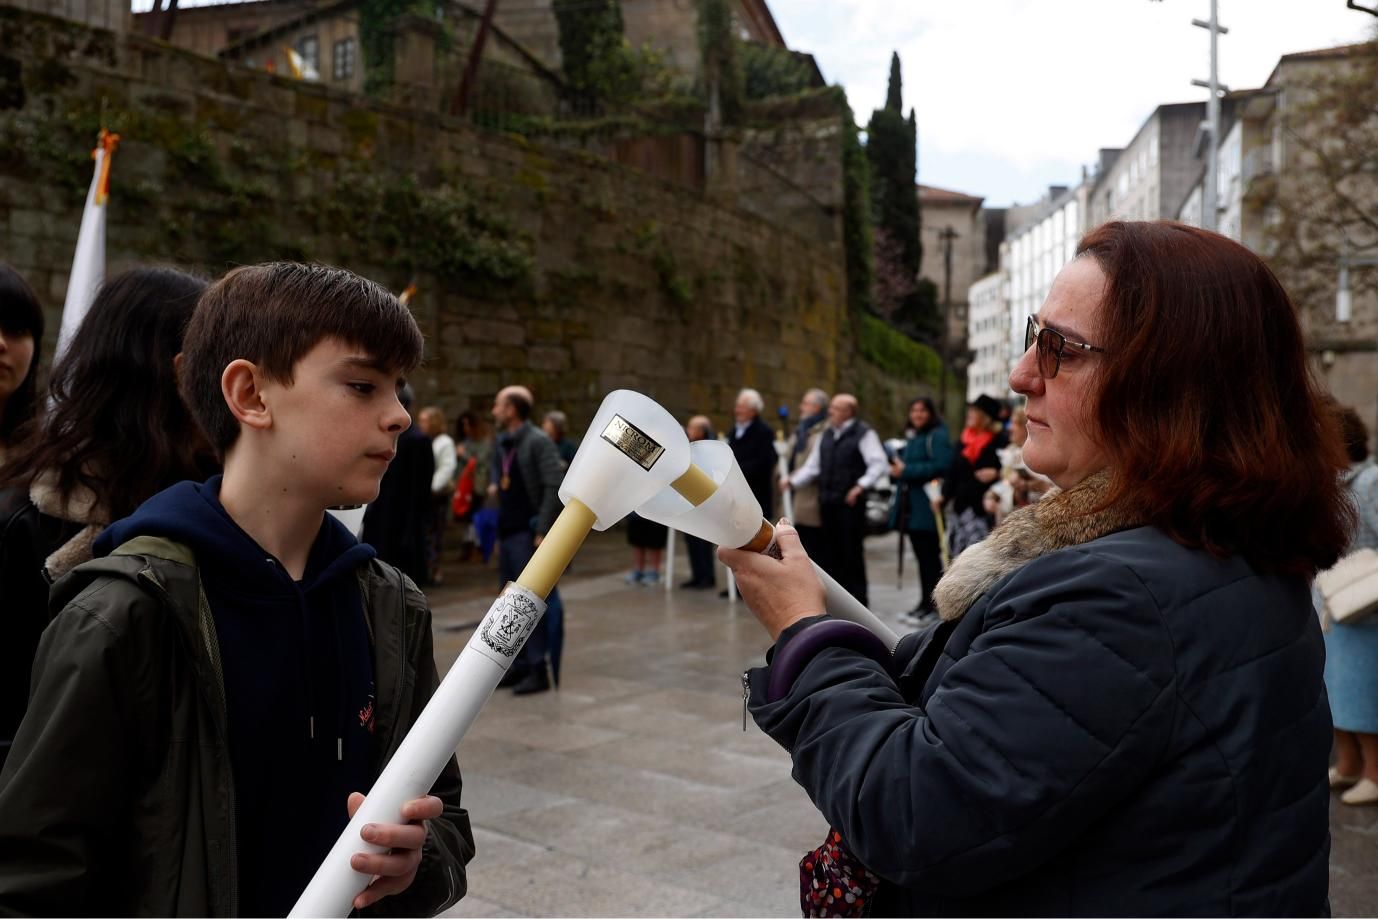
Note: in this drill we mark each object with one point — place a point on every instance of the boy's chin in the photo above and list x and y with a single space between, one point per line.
354 494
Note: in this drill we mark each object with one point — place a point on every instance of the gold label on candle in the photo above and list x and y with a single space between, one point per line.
633 441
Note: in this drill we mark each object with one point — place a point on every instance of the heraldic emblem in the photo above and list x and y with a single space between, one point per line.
511 620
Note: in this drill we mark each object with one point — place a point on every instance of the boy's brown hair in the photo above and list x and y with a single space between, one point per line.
272 315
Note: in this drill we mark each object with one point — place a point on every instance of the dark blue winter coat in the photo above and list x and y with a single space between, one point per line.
1124 727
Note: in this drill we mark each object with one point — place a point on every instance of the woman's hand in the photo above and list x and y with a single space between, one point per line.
896 468
393 871
986 476
779 592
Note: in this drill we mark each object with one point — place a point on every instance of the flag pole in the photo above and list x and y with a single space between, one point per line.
88 261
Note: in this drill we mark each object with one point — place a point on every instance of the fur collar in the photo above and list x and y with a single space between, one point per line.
79 506
1060 520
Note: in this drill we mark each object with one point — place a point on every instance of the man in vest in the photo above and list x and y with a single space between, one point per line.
813 412
847 460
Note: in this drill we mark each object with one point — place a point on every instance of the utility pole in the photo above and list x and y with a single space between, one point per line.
946 236
1209 207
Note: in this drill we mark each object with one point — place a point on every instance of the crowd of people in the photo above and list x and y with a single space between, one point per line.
203 668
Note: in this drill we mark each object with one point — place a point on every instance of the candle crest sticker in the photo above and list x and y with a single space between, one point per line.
511 620
633 441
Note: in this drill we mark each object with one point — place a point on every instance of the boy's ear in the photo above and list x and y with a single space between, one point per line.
243 393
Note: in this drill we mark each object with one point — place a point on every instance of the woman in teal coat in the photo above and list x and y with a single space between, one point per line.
927 456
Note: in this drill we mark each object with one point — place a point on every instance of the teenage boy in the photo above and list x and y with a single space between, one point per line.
233 668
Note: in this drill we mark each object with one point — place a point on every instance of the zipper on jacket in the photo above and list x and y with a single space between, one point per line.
746 693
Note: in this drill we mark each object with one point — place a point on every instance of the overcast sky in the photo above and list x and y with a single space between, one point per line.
1015 95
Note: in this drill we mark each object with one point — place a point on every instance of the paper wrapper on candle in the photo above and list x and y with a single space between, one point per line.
427 746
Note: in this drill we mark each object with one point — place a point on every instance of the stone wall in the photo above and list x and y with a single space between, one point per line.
104 14
668 26
534 264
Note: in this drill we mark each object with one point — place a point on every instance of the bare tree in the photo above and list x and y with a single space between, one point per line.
1327 193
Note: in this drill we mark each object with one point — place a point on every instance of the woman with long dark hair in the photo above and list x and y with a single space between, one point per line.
21 340
927 456
1123 710
115 434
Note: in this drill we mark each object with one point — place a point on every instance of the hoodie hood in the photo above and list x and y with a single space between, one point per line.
191 514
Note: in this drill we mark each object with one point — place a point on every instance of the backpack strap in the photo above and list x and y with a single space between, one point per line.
158 547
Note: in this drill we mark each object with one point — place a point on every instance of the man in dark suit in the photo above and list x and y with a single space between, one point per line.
753 442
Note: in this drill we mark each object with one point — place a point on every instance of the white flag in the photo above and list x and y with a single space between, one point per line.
88 264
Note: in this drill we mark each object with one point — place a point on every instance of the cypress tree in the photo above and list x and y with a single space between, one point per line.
891 150
894 95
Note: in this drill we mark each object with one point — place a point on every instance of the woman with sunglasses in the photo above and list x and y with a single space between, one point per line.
1122 711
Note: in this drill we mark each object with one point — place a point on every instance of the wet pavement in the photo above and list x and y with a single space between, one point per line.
633 790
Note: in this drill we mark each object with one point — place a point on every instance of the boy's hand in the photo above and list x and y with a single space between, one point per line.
393 871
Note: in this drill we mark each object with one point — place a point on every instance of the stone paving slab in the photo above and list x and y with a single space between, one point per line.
633 791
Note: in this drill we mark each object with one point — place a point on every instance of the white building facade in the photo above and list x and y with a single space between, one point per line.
987 339
1035 248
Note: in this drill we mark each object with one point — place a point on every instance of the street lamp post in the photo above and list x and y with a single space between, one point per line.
1209 207
947 235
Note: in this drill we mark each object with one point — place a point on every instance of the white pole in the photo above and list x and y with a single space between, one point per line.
669 558
1213 116
786 495
1210 208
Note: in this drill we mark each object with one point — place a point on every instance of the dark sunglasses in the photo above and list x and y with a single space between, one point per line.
1051 343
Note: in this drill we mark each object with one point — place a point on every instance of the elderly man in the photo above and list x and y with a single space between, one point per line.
753 442
813 411
847 460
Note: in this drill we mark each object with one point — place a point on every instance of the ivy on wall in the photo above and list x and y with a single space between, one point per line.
234 204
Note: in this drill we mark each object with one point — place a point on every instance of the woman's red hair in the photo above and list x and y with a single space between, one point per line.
1207 405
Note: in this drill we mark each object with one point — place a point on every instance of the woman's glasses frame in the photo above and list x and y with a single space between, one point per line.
1051 344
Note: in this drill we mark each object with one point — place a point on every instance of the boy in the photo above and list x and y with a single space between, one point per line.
233 667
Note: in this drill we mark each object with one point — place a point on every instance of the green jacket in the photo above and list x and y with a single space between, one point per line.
539 462
118 798
926 456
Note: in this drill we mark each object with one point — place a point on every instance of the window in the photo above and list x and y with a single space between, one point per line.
310 50
343 64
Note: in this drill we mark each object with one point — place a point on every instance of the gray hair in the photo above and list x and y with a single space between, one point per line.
817 396
753 399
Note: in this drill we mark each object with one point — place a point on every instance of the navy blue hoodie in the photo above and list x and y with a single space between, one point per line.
298 680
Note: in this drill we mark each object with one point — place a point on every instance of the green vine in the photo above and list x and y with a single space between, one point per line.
233 208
